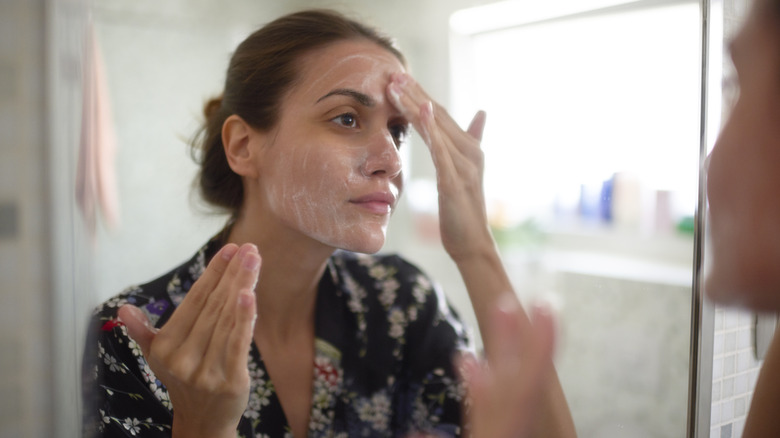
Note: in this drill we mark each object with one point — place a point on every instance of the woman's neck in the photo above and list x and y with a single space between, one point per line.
291 269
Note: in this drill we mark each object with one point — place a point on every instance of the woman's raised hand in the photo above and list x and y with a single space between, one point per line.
459 165
506 389
201 353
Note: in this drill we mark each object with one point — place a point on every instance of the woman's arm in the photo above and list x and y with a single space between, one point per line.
464 228
763 419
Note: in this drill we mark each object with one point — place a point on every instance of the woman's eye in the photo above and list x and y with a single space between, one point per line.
400 132
348 120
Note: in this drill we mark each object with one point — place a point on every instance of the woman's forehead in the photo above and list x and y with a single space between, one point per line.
362 65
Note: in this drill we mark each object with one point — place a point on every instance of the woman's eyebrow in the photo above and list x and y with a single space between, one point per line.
361 98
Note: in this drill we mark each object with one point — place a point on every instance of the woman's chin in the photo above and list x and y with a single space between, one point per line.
750 293
369 247
369 243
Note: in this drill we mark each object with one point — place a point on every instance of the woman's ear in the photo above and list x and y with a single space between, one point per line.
239 141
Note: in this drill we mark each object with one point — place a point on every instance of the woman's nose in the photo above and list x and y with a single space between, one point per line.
383 158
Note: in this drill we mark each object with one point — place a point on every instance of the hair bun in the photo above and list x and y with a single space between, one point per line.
212 107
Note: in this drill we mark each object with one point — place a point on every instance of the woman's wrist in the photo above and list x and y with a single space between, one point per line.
474 249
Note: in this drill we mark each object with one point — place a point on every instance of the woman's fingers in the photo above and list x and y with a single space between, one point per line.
409 98
420 112
138 327
442 159
208 334
454 151
505 389
510 337
189 310
477 125
232 333
240 337
543 320
525 349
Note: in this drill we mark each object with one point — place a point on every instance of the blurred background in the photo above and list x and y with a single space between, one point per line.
592 154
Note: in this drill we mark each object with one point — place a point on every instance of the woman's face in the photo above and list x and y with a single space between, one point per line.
743 180
331 169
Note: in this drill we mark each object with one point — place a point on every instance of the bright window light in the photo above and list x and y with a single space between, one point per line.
574 101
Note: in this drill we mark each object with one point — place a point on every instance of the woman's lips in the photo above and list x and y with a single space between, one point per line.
378 203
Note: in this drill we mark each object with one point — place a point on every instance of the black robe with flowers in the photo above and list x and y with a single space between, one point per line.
385 339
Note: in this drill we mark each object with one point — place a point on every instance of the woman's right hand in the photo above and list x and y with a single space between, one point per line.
201 353
506 389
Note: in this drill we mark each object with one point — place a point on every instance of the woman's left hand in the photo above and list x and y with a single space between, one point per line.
459 163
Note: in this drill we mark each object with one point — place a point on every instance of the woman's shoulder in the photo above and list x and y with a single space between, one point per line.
160 296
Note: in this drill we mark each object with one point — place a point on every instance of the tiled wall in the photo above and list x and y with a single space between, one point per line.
734 372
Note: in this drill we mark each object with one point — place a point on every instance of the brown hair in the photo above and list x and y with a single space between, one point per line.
262 69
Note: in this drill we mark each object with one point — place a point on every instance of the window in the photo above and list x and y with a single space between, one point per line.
593 115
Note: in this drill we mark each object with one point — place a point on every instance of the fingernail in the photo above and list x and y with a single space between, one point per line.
246 249
246 298
395 94
507 304
543 309
427 109
139 315
251 262
228 251
402 79
468 364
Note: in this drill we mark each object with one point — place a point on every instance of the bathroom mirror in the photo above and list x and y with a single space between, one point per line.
592 180
593 148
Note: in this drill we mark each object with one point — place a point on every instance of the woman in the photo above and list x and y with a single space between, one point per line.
302 151
743 181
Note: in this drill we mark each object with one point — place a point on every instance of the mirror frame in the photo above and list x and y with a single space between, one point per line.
702 310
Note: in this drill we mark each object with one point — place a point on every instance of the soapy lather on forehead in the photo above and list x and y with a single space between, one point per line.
363 80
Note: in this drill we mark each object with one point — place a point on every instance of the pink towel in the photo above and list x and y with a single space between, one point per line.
96 190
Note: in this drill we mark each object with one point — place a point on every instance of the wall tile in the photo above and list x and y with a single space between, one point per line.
729 364
717 368
716 390
740 406
744 338
715 414
731 320
727 411
730 341
728 388
717 347
741 384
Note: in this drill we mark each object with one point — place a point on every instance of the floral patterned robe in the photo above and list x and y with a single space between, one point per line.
385 339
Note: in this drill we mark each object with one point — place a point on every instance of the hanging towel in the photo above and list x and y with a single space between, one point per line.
96 190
